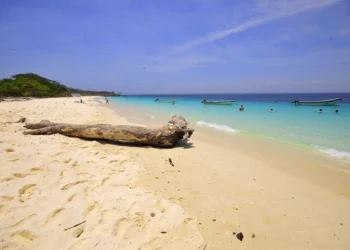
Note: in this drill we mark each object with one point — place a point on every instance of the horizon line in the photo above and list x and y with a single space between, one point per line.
238 93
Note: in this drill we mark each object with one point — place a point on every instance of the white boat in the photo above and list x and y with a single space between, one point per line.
330 102
228 102
165 101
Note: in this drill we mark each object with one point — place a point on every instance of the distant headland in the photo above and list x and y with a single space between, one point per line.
33 85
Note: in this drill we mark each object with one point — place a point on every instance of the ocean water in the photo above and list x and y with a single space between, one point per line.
302 126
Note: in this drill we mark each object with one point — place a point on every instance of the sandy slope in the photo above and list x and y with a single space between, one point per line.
49 183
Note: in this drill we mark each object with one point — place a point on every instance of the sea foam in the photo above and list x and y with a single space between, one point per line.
218 127
100 100
335 153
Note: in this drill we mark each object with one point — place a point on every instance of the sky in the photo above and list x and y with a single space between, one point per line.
182 46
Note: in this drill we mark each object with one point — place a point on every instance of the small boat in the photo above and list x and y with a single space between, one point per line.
228 102
330 102
165 101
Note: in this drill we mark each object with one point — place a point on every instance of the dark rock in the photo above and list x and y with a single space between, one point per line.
253 236
240 236
214 220
234 233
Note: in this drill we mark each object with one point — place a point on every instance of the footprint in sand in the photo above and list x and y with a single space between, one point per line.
54 214
78 232
103 182
69 185
124 161
75 164
36 169
92 208
120 227
70 198
107 216
68 160
22 221
25 192
24 237
6 198
124 227
20 175
7 179
62 174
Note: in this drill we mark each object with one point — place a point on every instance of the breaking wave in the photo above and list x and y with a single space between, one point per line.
335 153
218 127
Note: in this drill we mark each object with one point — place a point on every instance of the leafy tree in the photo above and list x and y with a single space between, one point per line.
34 85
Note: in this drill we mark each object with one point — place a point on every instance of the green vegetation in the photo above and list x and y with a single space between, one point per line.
33 85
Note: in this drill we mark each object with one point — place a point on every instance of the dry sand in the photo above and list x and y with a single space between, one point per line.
50 183
132 198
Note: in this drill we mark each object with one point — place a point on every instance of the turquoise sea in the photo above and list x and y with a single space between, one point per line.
302 126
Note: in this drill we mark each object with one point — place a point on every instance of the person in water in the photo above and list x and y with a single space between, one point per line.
173 102
241 108
271 110
320 111
107 100
336 111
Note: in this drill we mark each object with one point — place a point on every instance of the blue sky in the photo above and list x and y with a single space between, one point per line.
183 46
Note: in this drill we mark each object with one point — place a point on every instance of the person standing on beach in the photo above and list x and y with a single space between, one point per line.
107 100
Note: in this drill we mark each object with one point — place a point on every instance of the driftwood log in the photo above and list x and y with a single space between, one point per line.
167 136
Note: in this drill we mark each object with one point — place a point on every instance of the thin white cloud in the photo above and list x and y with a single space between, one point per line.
271 10
330 57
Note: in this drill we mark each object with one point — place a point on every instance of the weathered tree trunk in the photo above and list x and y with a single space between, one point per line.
167 136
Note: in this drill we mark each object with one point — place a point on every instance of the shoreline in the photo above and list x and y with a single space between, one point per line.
301 162
131 197
140 116
150 117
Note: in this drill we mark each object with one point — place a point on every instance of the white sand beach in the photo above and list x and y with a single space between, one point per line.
50 183
132 198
